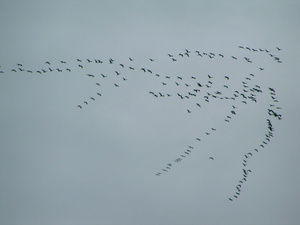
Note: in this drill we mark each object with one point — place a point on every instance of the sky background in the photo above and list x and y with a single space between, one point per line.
60 164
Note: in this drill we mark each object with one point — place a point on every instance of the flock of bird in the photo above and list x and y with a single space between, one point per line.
202 92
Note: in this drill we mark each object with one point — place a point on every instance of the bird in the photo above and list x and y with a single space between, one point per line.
79 106
98 84
90 75
79 60
198 139
98 94
188 111
116 85
211 158
278 48
92 98
227 77
230 199
85 102
47 63
130 59
64 62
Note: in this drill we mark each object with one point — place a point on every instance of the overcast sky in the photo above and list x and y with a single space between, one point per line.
60 164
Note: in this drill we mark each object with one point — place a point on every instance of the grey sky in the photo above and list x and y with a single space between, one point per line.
63 165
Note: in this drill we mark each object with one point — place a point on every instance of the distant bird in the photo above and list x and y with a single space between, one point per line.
198 139
92 98
122 65
211 158
130 59
234 57
116 85
48 63
227 77
80 66
79 106
230 199
64 62
278 48
261 68
98 94
151 60
90 75
85 102
98 84
79 60
188 111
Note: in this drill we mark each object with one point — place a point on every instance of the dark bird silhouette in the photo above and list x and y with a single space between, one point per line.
90 75
227 77
234 57
79 60
92 98
131 68
98 84
211 158
80 66
116 85
64 62
188 111
122 65
130 59
86 102
278 48
174 59
230 199
79 106
47 63
98 94
261 68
